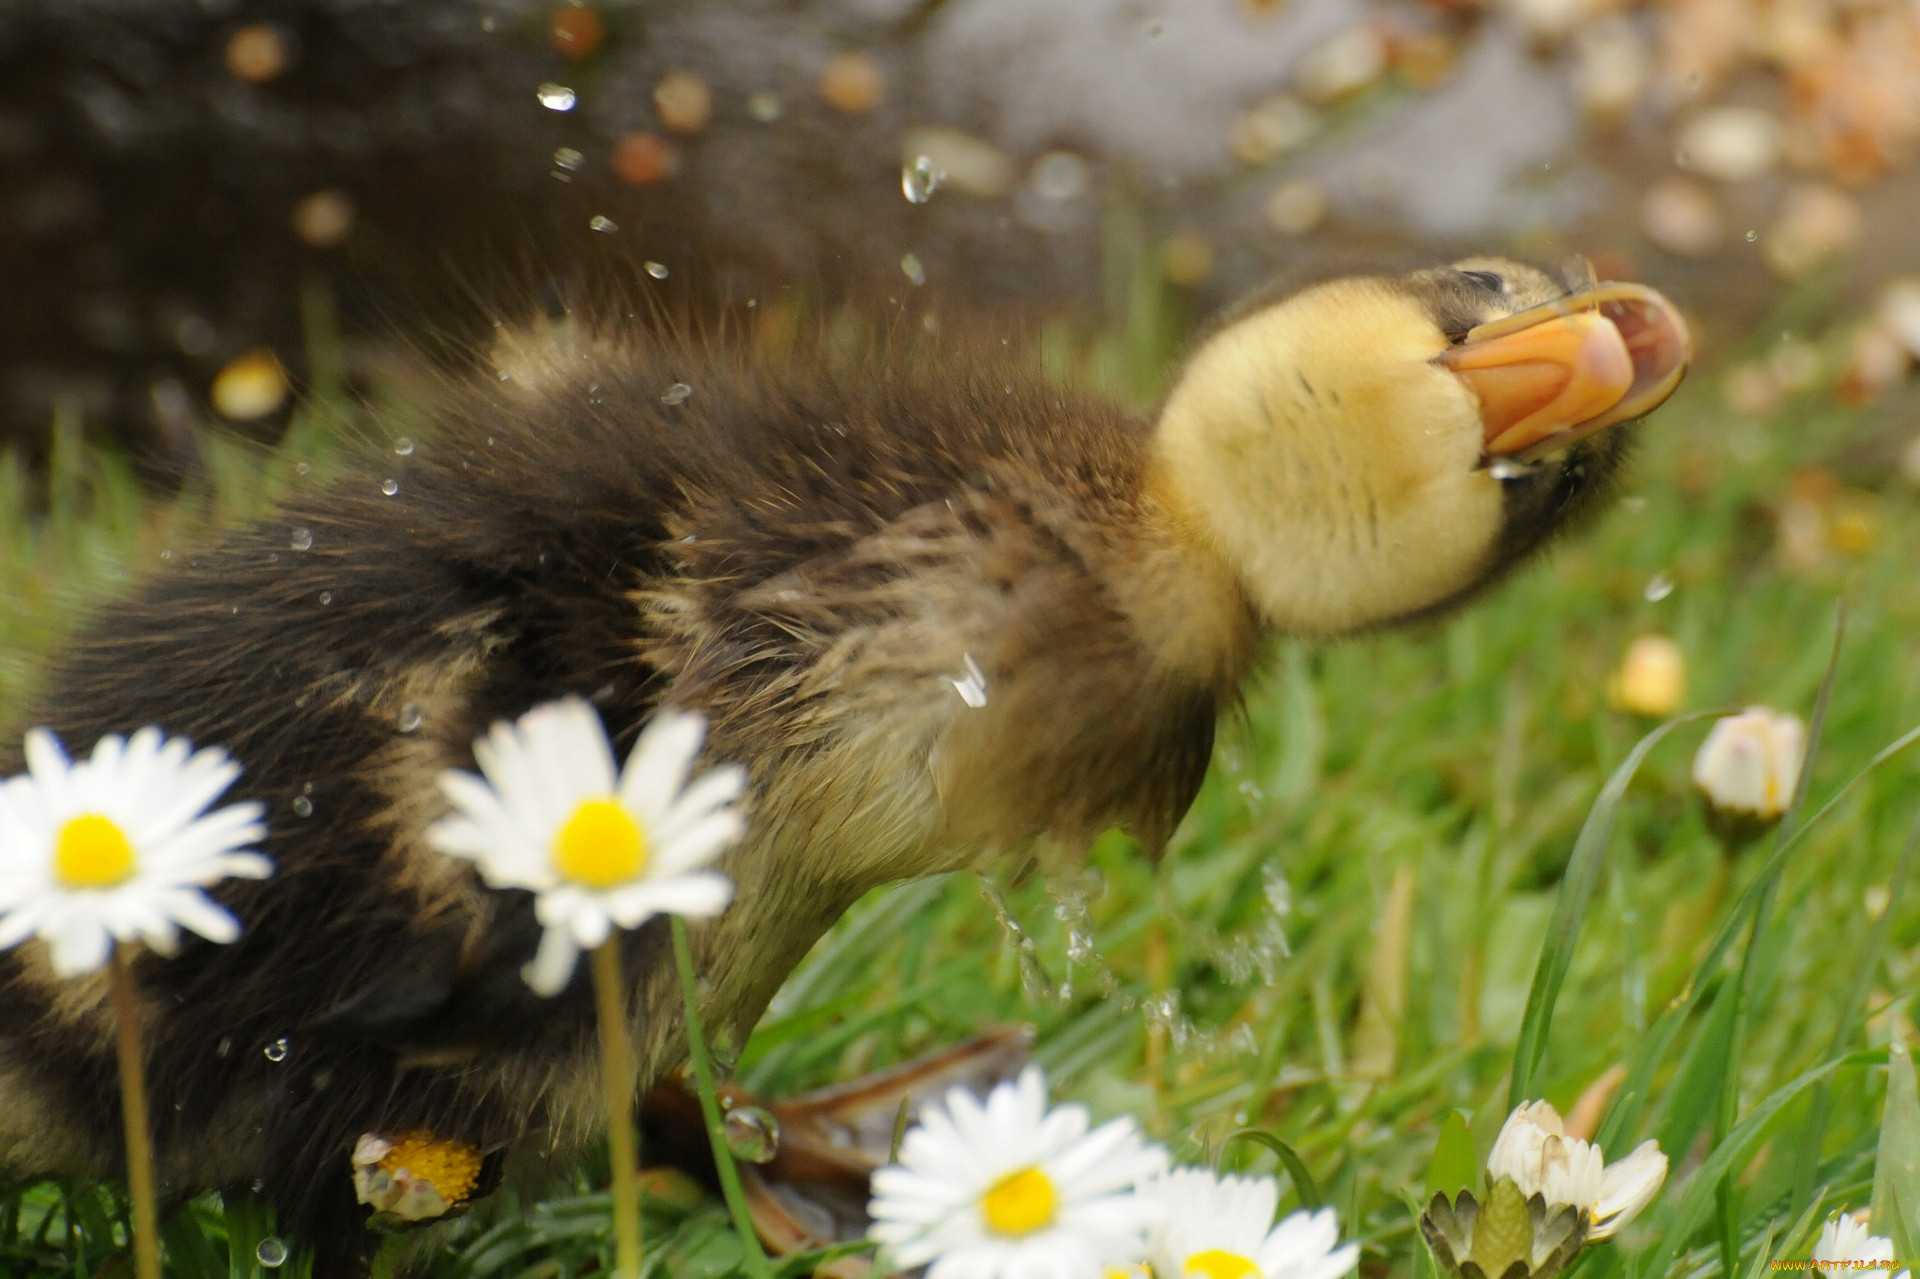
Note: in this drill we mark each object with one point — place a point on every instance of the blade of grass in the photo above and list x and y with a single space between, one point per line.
1727 1092
1624 1117
1852 1012
1303 1185
1896 1165
757 1266
1570 909
1683 1218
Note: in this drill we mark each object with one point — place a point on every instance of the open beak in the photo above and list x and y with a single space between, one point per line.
1557 373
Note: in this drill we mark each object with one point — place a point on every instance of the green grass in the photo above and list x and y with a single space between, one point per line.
1340 946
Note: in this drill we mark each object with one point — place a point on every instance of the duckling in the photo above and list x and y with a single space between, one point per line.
941 607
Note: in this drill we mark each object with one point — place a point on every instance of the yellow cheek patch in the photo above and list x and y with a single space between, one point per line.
1020 1203
600 845
92 852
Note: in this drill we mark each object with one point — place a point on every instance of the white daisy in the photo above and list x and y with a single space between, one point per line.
118 845
1011 1190
1222 1228
1534 1150
1845 1246
597 850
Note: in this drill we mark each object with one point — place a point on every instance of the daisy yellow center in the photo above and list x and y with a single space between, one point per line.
600 845
450 1167
1020 1203
1216 1263
91 852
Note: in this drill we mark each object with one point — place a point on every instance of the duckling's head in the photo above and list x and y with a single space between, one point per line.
1374 448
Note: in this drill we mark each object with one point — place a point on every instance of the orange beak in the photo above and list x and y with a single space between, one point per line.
1559 372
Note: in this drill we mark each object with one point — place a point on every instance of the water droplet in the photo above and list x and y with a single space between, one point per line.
277 1050
676 394
166 554
403 446
302 539
753 1134
410 718
602 223
1035 984
919 180
389 486
1659 588
301 468
488 22
1059 176
224 1047
556 97
911 268
302 806
326 597
568 158
1752 236
765 107
1154 30
272 1253
658 270
971 686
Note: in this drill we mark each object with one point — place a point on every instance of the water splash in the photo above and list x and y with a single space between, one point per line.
919 180
972 686
1035 984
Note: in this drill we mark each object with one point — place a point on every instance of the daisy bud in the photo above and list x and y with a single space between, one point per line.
1549 1196
1747 770
1652 678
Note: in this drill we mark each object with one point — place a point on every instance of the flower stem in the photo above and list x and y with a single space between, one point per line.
133 1108
616 1074
757 1266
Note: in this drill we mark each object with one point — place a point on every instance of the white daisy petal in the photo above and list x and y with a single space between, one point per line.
80 943
139 879
538 772
708 795
698 896
1535 1152
658 766
553 963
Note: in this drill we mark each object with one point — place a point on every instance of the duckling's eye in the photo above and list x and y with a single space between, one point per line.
1487 280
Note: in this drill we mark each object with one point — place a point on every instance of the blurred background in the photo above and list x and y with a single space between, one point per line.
188 186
